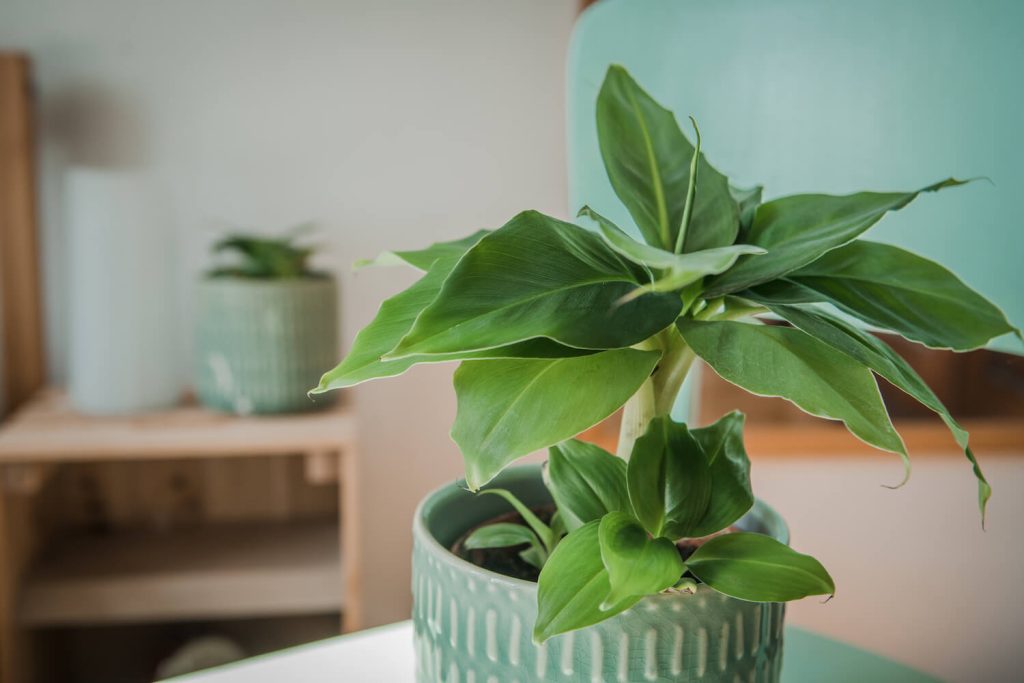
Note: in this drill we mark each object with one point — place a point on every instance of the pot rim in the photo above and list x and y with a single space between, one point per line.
423 534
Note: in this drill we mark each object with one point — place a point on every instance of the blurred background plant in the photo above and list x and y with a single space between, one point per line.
265 258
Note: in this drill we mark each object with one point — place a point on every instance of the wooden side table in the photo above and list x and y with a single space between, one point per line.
217 570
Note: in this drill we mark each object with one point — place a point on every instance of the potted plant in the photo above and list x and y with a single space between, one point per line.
267 326
657 563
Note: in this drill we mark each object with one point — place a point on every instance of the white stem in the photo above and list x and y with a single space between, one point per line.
636 415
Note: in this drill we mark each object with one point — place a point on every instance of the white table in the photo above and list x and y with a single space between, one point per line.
385 655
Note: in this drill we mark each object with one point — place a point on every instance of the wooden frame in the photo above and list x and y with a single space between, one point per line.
22 339
23 365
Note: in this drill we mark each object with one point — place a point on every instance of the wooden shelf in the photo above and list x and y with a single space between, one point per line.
47 429
226 570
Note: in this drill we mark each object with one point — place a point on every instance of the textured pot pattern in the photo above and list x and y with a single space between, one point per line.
261 345
474 626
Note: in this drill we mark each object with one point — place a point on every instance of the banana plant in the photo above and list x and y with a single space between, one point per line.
557 325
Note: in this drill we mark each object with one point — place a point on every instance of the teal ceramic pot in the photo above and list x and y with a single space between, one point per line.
262 344
474 626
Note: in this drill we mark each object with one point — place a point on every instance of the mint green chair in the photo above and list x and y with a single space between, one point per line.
836 97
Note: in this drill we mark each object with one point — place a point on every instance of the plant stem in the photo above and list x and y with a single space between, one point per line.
636 415
658 393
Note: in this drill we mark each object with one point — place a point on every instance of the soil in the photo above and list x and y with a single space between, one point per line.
506 561
503 560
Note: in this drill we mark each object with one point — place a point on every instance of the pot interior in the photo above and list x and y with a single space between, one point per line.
451 511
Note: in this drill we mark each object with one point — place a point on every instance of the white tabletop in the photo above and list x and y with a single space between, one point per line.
377 655
385 655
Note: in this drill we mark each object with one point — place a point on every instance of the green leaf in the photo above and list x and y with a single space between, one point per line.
731 496
681 269
500 535
538 277
747 200
780 361
508 408
647 158
558 528
540 528
395 319
896 290
624 245
797 230
877 355
758 568
669 479
573 585
637 564
534 556
586 482
424 258
693 266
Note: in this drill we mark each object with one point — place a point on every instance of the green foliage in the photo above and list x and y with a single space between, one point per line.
785 362
557 326
648 160
669 479
586 482
509 408
893 289
637 564
263 258
731 496
573 585
758 568
538 277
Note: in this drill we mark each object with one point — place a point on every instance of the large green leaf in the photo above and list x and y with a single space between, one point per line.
896 290
538 277
395 319
669 479
798 229
877 355
637 564
586 481
731 496
573 585
508 408
758 568
647 158
424 258
785 362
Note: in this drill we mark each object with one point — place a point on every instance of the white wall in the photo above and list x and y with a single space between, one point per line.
389 123
397 123
916 578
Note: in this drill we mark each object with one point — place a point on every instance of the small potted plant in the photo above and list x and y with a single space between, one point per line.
267 326
657 563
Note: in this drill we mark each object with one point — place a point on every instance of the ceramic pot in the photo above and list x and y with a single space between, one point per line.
262 344
474 626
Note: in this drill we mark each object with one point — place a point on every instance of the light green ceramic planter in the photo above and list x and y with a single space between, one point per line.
262 344
473 625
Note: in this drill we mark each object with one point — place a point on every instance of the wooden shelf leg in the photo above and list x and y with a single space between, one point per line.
351 555
15 553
